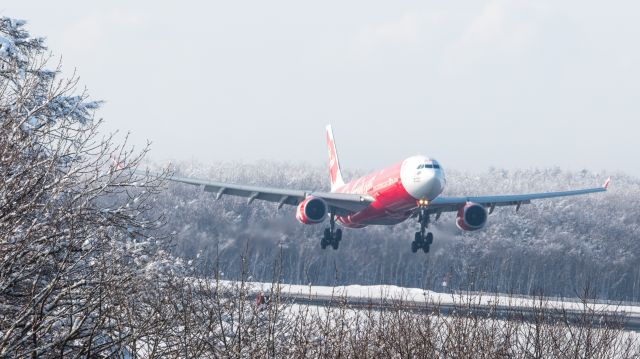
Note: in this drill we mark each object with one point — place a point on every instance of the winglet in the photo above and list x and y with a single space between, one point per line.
606 183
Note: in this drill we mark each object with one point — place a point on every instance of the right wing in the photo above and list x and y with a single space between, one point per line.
341 203
452 204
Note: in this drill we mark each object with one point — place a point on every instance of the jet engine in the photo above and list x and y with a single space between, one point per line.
471 217
312 210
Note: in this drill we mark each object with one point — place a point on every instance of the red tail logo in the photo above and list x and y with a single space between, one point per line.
334 165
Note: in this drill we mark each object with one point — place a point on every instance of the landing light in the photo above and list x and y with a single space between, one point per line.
423 202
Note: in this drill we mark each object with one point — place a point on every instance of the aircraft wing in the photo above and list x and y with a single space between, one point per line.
343 204
452 204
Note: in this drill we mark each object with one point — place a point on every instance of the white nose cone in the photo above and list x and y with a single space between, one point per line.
422 177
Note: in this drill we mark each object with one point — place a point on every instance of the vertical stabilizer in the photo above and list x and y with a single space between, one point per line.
334 165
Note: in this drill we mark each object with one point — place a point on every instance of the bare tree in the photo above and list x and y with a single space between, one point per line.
75 230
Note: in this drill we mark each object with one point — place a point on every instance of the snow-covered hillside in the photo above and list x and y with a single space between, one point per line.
556 247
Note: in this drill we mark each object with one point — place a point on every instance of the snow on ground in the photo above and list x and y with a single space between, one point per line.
417 296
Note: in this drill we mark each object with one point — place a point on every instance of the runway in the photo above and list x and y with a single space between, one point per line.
469 304
599 318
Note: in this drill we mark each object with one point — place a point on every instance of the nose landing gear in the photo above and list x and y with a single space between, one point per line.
332 236
422 239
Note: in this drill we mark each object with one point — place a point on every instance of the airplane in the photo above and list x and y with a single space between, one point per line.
411 188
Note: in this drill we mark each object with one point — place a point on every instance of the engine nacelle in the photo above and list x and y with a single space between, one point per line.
471 217
312 210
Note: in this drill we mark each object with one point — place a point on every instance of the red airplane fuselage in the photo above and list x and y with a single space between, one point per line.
396 189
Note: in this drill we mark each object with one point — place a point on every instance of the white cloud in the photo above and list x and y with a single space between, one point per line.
85 33
502 30
402 31
89 32
500 24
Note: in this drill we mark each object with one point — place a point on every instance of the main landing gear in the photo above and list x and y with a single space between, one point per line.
422 240
332 236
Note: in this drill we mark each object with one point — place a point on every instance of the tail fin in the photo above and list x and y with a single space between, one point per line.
334 165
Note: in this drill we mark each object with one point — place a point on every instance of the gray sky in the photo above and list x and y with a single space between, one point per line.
514 84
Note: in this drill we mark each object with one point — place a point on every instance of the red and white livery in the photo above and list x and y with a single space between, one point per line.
408 189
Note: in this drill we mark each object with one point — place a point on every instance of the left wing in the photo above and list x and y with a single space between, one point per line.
343 204
452 204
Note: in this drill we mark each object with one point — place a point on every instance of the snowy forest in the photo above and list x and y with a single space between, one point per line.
554 247
100 260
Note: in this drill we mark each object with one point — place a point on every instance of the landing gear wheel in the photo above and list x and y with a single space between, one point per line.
422 240
331 236
429 238
326 239
337 237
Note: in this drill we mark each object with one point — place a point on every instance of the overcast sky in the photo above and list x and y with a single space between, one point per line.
513 84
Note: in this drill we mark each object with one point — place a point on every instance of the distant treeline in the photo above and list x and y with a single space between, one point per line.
554 247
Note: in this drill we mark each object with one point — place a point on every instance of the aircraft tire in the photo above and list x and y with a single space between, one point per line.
338 235
414 247
335 244
429 238
425 248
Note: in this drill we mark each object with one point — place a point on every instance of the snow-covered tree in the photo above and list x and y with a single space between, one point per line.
76 243
552 246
